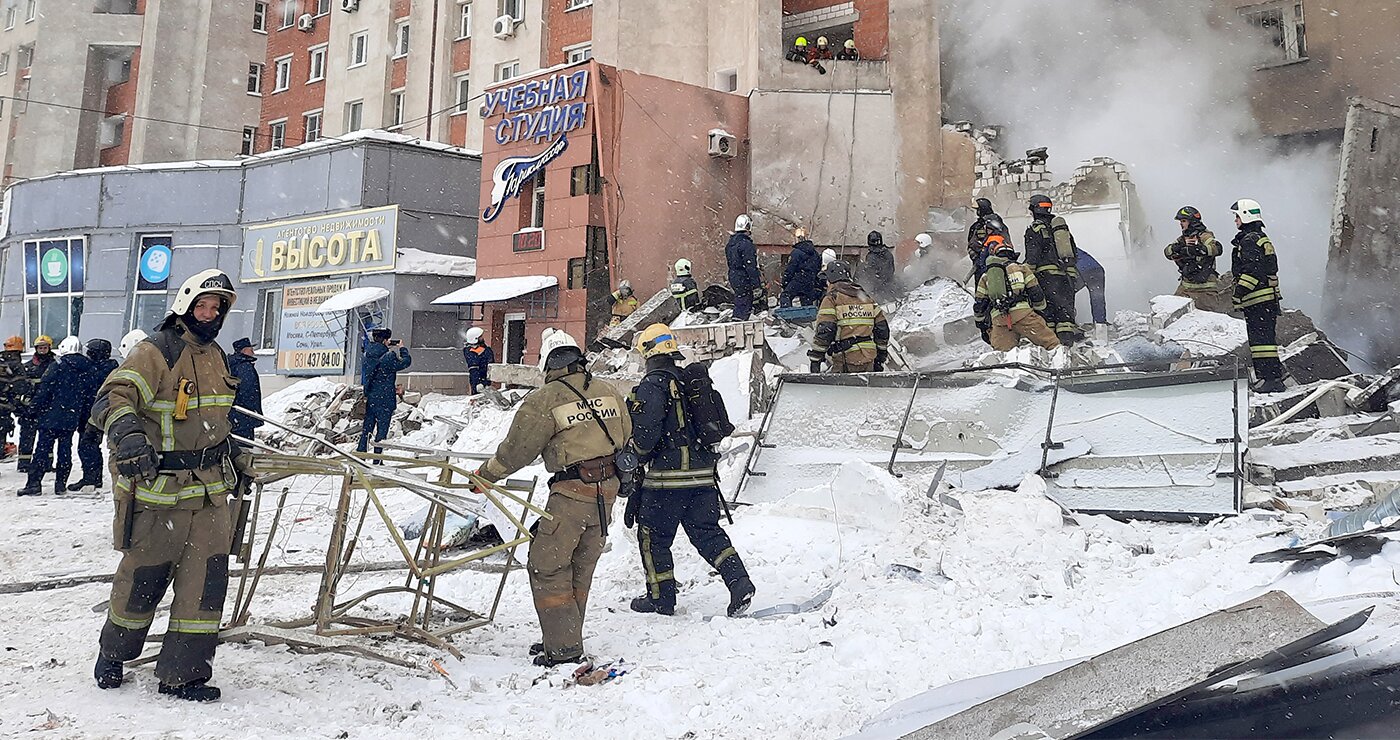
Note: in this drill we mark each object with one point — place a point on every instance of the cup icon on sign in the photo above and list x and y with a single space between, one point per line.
55 270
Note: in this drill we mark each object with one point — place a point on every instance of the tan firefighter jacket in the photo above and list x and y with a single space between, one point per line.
849 323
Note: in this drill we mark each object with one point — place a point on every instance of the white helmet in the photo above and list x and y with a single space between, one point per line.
682 267
828 256
1247 210
129 342
474 335
743 223
205 281
924 241
554 349
70 345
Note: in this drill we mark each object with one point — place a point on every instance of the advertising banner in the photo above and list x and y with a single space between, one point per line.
341 243
306 344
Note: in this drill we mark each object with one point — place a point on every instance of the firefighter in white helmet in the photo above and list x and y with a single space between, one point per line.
1257 293
684 289
479 356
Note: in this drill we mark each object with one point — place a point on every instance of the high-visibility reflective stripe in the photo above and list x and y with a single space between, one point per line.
1248 281
855 322
195 626
1050 269
724 555
158 496
117 414
826 312
1257 297
859 346
1264 350
140 382
131 624
1210 285
167 431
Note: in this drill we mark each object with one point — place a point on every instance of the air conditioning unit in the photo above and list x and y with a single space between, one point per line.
306 22
723 144
349 6
504 27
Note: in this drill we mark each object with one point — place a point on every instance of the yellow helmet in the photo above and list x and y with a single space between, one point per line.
656 340
15 343
43 339
801 41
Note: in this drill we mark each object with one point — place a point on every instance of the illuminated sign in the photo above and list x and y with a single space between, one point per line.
513 172
351 242
538 110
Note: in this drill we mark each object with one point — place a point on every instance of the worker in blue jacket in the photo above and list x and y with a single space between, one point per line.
56 408
800 277
1091 276
242 365
384 358
89 436
479 357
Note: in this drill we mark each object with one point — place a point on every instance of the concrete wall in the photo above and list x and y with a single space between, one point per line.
487 51
690 42
369 82
1364 253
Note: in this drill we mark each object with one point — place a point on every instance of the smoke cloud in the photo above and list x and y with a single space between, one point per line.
1160 88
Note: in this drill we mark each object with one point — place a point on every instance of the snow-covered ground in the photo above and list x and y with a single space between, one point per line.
922 595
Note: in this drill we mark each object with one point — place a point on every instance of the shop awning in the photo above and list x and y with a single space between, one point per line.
352 298
493 290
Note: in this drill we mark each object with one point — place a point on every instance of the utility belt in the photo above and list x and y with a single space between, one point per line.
842 346
595 470
197 459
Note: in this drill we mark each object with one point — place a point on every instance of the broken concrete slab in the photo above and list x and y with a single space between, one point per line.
1324 429
1378 393
1297 461
708 342
520 376
659 309
1311 358
1143 674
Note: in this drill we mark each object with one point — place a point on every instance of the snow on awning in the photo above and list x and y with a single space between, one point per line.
418 262
498 289
352 298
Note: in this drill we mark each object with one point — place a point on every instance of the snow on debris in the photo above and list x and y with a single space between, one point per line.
498 289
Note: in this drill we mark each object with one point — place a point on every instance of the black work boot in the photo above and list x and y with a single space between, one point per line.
648 605
536 648
741 594
193 691
84 483
108 672
32 487
60 482
545 660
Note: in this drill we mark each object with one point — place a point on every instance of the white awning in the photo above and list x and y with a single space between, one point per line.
498 289
352 298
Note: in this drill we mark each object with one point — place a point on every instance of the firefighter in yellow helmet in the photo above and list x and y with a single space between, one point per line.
13 387
851 330
677 419
165 412
798 52
34 370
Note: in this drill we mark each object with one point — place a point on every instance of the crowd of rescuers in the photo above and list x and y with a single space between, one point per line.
805 53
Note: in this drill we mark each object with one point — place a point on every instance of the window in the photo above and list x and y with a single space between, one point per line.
576 271
354 112
323 7
53 286
396 110
10 15
250 136
26 56
507 70
537 202
1281 23
727 80
154 255
311 126
318 64
269 316
359 49
464 93
255 79
401 39
596 248
4 63
289 13
277 131
576 4
513 8
584 180
464 21
260 17
31 11
112 131
282 77
579 53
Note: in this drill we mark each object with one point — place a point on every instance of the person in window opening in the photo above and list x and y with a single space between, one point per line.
848 52
479 357
798 52
379 374
822 51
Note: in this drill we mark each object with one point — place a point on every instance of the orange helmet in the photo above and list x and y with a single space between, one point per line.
15 343
994 242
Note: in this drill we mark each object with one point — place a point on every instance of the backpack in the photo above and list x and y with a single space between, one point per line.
706 418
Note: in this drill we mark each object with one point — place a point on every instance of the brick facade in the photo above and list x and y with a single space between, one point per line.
565 28
301 95
121 99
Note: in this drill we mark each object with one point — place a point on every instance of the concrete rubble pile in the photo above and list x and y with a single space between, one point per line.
336 414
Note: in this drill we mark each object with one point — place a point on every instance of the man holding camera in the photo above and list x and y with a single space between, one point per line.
379 374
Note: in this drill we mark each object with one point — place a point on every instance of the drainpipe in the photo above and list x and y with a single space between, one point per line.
432 72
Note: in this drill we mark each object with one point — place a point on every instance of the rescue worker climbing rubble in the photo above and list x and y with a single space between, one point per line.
623 303
1051 252
1009 300
677 418
577 426
478 356
166 415
1195 253
684 289
1257 293
986 224
851 330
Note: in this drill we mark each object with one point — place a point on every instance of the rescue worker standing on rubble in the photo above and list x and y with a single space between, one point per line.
677 417
851 330
800 275
1051 252
623 303
165 413
13 386
478 356
577 426
1257 294
89 436
684 289
741 256
34 370
379 374
877 269
987 223
1195 253
1009 301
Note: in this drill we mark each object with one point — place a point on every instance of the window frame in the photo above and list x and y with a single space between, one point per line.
464 96
584 179
402 38
277 134
268 339
359 107
569 51
359 44
323 52
33 302
259 16
11 17
31 11
4 63
502 6
1291 46
317 115
256 71
397 102
326 4
290 13
282 82
464 21
249 141
572 5
496 74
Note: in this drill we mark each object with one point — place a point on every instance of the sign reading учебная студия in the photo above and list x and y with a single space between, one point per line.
350 242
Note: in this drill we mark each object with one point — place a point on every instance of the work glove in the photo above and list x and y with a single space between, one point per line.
634 506
136 458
